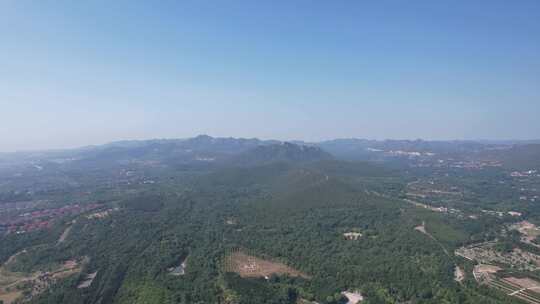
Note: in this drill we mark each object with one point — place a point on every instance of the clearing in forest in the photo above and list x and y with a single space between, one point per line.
421 228
485 273
352 236
250 266
87 281
526 228
178 270
459 274
353 297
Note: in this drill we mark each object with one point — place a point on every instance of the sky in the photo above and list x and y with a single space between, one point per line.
74 73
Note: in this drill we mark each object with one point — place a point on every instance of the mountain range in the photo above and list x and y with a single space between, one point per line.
204 149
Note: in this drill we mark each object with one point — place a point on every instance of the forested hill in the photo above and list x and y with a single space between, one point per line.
292 214
180 221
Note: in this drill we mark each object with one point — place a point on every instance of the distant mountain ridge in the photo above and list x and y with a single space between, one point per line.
232 144
282 152
204 149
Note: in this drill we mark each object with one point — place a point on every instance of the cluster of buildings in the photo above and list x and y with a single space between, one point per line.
525 198
501 213
475 164
42 219
427 162
527 173
410 154
101 214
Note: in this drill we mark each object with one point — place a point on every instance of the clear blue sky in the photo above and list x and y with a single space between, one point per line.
86 72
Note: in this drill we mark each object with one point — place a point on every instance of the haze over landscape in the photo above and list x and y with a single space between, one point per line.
270 152
78 73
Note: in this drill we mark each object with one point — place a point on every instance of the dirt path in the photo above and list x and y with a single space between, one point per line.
13 257
64 235
422 228
459 274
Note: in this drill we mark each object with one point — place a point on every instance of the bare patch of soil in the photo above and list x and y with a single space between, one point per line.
485 273
353 297
421 228
88 279
524 282
10 296
459 274
250 266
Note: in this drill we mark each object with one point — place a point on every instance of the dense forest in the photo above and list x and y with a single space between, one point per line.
295 213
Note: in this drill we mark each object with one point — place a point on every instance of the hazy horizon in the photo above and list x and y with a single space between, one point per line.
87 73
480 140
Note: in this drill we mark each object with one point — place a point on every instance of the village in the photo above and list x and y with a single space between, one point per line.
42 218
15 286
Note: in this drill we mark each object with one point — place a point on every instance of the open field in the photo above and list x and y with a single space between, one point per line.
251 266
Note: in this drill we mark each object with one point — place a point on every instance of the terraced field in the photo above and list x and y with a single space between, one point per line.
521 291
